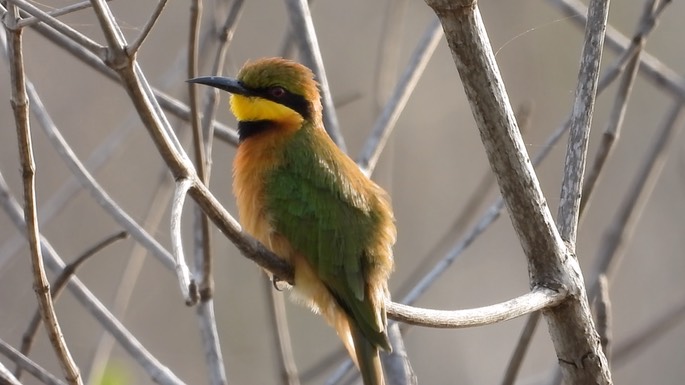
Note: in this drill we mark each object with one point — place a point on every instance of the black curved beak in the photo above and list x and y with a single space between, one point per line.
227 84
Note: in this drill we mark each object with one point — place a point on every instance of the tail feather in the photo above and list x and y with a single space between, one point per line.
368 359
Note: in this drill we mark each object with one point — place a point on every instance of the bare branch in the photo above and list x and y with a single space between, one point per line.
57 288
303 29
159 203
286 360
613 129
444 248
158 372
649 334
28 365
405 86
396 365
630 209
187 284
134 47
41 285
603 306
64 29
389 49
521 349
550 262
89 183
581 120
29 21
225 39
210 342
537 299
650 66
6 376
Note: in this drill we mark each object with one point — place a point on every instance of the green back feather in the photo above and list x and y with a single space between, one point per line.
329 220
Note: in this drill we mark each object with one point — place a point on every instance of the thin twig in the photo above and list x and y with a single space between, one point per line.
201 233
172 105
389 49
474 202
210 342
303 29
186 282
650 66
64 29
603 306
29 21
159 203
202 144
649 334
6 376
581 120
134 47
396 365
405 86
25 363
613 129
521 349
91 185
286 360
41 285
628 214
225 38
57 288
158 372
177 161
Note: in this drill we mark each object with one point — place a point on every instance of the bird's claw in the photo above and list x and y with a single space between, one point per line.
278 283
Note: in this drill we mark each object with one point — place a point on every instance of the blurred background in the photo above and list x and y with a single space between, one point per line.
432 164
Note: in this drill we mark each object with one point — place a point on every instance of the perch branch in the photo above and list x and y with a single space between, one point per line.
537 299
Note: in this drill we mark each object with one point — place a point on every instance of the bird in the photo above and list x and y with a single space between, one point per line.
311 205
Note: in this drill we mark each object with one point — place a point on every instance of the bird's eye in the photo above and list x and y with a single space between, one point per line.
276 91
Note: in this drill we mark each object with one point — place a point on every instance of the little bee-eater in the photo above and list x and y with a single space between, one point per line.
310 204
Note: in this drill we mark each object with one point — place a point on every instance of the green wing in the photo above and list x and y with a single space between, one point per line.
317 208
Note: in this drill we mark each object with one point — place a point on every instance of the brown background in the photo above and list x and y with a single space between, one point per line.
433 162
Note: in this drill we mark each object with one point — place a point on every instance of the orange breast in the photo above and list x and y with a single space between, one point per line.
257 156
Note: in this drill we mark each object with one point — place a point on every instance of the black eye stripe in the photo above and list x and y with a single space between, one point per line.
295 102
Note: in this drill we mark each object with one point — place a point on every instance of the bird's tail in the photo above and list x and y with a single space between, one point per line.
367 358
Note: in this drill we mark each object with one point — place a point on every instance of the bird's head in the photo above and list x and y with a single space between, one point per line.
271 89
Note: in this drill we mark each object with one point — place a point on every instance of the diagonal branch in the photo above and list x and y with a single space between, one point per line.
158 372
64 29
57 288
28 21
303 29
25 363
135 46
398 100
